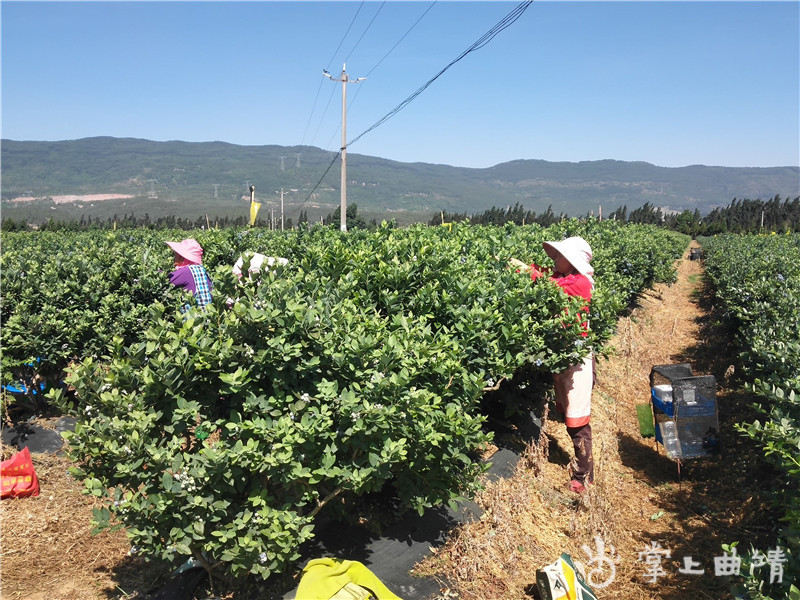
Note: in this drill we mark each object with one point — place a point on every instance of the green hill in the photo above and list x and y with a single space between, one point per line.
192 179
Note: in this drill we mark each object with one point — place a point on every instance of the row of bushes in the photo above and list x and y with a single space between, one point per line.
221 434
756 280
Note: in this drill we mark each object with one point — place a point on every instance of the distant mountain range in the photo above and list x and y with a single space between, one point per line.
68 179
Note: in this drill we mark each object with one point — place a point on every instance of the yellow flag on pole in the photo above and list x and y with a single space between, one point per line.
254 206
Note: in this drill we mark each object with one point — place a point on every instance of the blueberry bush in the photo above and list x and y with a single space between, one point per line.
756 279
221 434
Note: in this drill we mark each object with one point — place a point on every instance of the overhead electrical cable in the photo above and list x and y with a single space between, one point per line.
310 116
349 27
397 43
508 20
504 23
314 189
366 29
324 112
330 141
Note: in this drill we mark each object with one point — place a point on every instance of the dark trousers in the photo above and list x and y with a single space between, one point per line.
582 441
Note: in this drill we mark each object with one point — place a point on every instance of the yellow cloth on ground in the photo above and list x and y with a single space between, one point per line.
324 578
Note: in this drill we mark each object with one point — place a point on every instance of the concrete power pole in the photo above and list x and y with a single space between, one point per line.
345 80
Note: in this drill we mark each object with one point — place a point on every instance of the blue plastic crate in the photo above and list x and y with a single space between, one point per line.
693 408
668 408
20 388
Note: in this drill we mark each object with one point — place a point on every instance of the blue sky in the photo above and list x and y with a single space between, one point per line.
670 83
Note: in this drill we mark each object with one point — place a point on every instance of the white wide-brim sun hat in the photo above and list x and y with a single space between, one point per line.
576 250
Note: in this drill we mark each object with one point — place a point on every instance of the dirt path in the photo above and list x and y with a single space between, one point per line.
639 498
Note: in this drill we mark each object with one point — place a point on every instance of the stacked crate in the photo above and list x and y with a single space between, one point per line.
685 411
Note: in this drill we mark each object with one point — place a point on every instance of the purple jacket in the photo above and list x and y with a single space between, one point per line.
198 282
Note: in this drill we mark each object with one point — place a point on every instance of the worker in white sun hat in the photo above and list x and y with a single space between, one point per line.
258 263
573 386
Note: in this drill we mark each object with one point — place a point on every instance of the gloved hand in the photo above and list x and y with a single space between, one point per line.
517 264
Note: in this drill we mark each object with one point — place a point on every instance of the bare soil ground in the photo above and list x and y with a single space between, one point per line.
529 519
74 198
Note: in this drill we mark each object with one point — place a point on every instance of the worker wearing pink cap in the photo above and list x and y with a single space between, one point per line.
189 273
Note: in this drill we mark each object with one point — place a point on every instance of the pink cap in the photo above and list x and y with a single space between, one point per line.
188 249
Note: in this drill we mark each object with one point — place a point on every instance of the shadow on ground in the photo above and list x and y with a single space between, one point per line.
719 499
388 543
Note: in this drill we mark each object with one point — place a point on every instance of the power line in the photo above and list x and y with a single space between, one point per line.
504 23
324 112
327 68
509 19
345 35
397 43
311 115
314 189
366 29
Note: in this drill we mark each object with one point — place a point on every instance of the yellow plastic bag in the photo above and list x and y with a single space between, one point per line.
335 579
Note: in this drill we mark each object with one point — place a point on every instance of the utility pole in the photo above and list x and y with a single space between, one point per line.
152 193
345 80
281 209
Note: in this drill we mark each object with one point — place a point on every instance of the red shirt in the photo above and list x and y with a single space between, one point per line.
576 285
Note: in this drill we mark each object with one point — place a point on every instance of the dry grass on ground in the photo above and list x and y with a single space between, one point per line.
639 497
49 554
